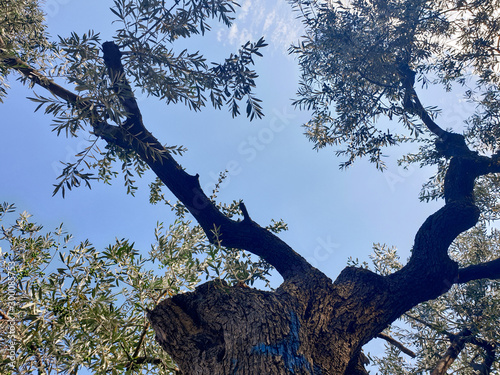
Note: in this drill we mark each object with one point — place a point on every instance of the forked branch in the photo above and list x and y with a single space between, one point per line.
457 345
430 272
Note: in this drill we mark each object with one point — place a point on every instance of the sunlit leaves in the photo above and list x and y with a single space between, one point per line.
76 307
385 259
80 308
352 57
23 35
6 208
188 258
184 250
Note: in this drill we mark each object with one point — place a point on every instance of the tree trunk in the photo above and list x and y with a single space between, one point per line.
304 327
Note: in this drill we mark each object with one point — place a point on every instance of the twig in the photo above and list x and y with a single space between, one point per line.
397 344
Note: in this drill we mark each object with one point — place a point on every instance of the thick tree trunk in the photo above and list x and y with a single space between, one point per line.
301 328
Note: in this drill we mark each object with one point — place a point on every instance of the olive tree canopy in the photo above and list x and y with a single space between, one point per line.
361 62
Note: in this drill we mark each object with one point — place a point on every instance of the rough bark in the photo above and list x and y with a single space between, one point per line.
309 325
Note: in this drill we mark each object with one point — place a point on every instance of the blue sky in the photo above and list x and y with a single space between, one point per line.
331 214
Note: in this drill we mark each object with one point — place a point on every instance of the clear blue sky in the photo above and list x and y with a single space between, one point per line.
331 214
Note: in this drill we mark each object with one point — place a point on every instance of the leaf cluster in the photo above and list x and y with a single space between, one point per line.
23 34
184 247
48 281
149 30
359 59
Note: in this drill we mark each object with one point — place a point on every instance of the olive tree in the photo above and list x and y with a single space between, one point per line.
361 61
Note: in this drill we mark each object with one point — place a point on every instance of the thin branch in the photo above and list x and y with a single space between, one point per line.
485 367
150 360
13 62
397 344
426 118
134 359
412 103
141 339
376 83
428 325
485 344
457 343
4 315
39 361
155 26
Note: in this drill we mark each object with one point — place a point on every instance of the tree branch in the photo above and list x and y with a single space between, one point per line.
397 344
467 337
484 368
13 62
427 324
38 358
245 234
4 315
487 270
411 102
134 358
151 360
430 272
426 118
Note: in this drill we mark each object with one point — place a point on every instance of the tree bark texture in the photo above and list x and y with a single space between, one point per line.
310 324
301 328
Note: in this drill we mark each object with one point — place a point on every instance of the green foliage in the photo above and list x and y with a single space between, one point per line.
76 307
149 29
355 62
186 252
186 255
385 259
23 35
147 35
67 307
473 306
